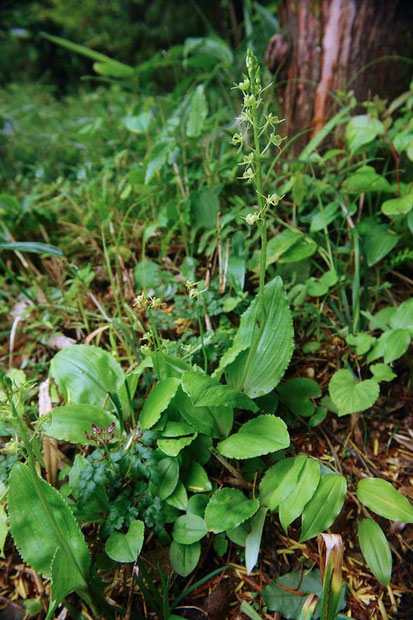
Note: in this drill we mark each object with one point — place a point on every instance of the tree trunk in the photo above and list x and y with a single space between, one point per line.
327 45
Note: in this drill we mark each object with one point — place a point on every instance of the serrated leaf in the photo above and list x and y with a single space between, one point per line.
350 395
72 422
204 391
126 547
324 507
157 401
261 435
188 529
172 447
293 505
382 498
184 558
376 550
280 480
85 374
271 356
32 524
227 509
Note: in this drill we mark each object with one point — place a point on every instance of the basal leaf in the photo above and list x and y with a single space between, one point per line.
258 436
188 529
157 401
376 550
253 540
293 505
324 506
296 394
227 509
126 547
167 479
184 558
197 113
72 422
280 481
206 391
211 421
382 498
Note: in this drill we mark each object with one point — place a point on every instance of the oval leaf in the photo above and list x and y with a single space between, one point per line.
227 509
261 435
376 550
382 498
189 529
72 422
280 480
157 401
207 392
324 506
184 558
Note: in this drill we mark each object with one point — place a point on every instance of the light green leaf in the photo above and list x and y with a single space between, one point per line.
398 206
85 374
362 130
280 481
293 505
184 558
172 447
179 498
382 372
324 506
227 509
366 180
296 394
157 401
376 550
197 504
378 239
350 395
196 479
33 526
197 113
270 357
403 316
31 247
258 436
253 540
72 422
3 529
211 421
188 529
138 124
382 498
362 341
207 392
126 547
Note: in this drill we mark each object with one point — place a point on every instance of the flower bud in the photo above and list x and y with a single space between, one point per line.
251 218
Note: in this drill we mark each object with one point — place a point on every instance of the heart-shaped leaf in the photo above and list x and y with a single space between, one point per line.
324 506
350 395
376 550
261 435
227 509
382 498
126 547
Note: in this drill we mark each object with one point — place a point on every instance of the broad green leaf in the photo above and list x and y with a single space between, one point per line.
31 247
168 475
184 558
238 535
138 124
188 529
366 179
293 505
85 374
403 316
177 429
257 371
213 47
211 421
378 239
324 506
280 481
253 540
296 394
227 509
350 395
197 504
65 578
204 208
34 525
382 498
126 547
72 422
196 479
398 206
172 447
258 436
376 550
391 346
382 372
157 401
362 130
197 113
207 392
362 341
157 158
179 498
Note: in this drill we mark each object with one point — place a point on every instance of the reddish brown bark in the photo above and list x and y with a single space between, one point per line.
324 46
